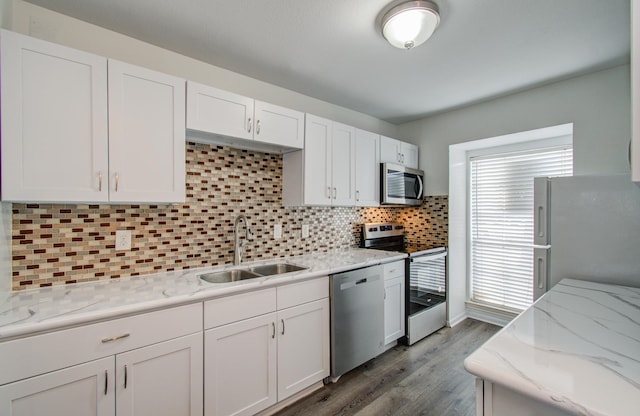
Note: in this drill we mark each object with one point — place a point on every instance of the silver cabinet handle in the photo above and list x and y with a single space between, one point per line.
282 320
105 340
273 327
117 181
249 125
100 181
106 382
258 127
357 195
335 193
328 192
125 376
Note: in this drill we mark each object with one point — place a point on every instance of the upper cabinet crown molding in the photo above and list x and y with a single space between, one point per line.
72 133
219 116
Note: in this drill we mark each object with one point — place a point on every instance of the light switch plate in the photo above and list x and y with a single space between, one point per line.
123 239
305 230
277 231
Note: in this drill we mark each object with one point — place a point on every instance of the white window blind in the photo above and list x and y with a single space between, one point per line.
501 222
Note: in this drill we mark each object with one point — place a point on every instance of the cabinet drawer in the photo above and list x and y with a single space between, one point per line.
238 307
26 357
394 269
299 293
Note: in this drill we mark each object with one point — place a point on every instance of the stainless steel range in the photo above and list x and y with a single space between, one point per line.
425 284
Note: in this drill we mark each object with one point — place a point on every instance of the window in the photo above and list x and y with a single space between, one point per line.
501 220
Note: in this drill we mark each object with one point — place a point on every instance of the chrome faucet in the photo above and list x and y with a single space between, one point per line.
237 243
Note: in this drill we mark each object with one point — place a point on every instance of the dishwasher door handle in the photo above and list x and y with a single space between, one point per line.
353 283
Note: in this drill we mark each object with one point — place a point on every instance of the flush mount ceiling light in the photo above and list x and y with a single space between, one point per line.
410 24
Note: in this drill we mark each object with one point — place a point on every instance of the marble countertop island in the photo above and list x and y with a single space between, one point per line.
577 348
31 311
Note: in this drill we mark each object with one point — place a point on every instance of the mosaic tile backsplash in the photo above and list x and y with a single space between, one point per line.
56 244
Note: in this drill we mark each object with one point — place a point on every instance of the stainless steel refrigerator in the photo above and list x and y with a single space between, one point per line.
586 228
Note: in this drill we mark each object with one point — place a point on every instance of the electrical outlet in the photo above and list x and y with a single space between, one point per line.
123 239
277 231
305 230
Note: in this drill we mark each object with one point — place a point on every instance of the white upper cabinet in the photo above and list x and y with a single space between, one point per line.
343 166
278 125
213 114
324 172
146 135
367 165
57 145
635 90
54 122
219 112
396 151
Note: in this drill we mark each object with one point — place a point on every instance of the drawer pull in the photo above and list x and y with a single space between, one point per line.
105 340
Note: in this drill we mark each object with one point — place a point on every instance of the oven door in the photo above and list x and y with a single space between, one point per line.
426 295
400 185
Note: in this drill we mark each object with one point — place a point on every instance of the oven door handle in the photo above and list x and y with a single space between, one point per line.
428 257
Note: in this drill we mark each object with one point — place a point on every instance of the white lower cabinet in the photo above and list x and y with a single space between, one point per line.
240 367
394 301
161 379
279 347
85 389
148 364
303 354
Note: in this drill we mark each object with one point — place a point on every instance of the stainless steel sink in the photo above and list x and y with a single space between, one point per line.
235 275
229 276
279 268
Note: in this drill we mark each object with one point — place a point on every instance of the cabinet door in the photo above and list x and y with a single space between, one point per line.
389 150
278 125
409 155
303 346
146 135
317 161
240 367
343 169
54 122
393 309
367 165
85 389
161 379
216 111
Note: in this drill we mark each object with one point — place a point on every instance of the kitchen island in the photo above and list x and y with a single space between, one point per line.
576 351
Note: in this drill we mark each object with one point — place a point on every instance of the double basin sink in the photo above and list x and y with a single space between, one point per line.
236 275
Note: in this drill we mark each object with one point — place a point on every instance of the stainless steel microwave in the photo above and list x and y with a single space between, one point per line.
400 185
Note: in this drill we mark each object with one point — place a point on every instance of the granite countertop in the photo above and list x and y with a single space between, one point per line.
44 309
577 348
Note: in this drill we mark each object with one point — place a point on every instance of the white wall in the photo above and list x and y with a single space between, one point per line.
598 104
41 23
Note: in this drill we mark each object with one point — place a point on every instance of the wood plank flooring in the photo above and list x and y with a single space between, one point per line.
427 378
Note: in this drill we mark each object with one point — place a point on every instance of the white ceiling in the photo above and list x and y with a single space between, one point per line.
333 50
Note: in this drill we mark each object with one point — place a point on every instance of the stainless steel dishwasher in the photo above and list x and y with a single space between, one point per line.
357 318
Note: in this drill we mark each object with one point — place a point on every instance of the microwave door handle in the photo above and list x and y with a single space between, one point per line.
419 195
